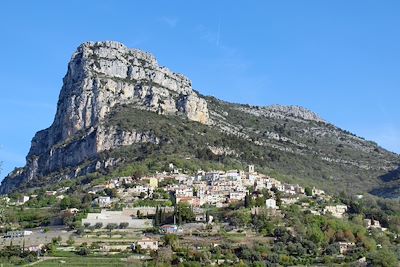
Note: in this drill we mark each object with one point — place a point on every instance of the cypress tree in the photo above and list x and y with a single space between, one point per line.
156 218
247 201
162 216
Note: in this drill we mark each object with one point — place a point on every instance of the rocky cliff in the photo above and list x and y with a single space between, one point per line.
100 76
118 107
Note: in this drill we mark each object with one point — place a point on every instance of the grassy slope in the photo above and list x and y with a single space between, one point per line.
182 139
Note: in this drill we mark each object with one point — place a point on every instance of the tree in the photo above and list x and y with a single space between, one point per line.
308 191
80 231
171 240
111 226
185 212
332 249
260 201
164 254
315 234
162 216
247 201
157 217
383 257
281 234
296 249
139 171
240 218
69 202
65 203
266 193
111 192
70 241
262 222
98 225
83 251
57 240
123 225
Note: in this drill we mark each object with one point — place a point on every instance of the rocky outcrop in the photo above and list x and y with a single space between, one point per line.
283 112
104 74
101 76
106 101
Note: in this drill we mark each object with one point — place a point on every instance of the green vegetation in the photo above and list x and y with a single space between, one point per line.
254 236
295 157
29 217
15 255
184 213
180 139
80 261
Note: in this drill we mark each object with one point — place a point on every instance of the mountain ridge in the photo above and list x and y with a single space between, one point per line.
105 76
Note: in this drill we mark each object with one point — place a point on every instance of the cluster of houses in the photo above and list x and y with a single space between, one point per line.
214 188
220 188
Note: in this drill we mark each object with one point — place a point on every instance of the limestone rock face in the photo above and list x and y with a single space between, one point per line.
195 108
100 76
104 74
283 112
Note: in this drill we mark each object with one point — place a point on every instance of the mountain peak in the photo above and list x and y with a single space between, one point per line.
117 99
100 77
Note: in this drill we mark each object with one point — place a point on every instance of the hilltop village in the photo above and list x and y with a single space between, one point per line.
143 218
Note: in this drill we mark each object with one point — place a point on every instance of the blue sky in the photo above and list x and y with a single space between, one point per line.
340 59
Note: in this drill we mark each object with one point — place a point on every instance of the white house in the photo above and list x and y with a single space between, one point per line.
289 200
138 189
251 168
103 201
184 192
233 174
213 199
36 248
337 211
270 203
317 192
237 195
23 200
345 247
374 224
